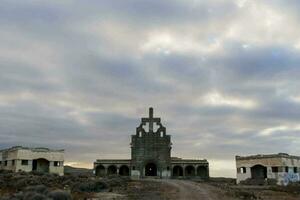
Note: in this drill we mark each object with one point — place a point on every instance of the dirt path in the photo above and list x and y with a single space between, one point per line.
160 189
171 189
190 190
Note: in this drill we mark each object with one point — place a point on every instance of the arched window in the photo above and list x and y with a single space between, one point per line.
177 171
190 171
100 170
124 170
111 170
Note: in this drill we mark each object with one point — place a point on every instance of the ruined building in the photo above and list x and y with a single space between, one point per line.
151 156
282 167
32 159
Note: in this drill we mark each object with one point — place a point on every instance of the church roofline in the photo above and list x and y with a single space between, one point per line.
188 161
112 161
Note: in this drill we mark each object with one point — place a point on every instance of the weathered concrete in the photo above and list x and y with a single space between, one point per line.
282 167
32 159
151 155
190 168
151 149
101 167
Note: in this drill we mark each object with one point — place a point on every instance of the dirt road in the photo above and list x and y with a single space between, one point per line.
191 190
171 189
159 189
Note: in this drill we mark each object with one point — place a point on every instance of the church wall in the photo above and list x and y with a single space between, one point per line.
151 153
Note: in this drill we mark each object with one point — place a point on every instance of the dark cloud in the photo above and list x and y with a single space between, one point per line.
79 76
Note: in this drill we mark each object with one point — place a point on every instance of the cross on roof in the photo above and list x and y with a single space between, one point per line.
151 120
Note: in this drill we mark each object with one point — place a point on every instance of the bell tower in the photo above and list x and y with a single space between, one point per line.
151 148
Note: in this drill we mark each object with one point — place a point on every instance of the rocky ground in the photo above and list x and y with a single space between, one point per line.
39 186
187 189
269 191
33 186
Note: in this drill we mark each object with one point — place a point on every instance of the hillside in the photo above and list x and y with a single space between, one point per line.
77 171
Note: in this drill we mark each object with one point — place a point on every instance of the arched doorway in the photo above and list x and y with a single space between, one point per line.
258 172
100 170
150 169
202 172
190 171
111 170
177 171
40 165
124 170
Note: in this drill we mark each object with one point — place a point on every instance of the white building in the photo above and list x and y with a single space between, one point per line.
282 167
32 159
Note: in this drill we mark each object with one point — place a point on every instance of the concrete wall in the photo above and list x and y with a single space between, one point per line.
282 177
118 164
150 152
243 176
151 145
56 169
14 158
166 174
135 174
8 162
143 152
25 168
195 166
48 155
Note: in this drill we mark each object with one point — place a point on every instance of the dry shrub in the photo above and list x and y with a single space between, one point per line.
59 195
36 185
247 195
34 196
292 188
251 181
90 186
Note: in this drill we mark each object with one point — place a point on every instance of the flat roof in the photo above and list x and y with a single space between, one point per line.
262 156
36 149
112 161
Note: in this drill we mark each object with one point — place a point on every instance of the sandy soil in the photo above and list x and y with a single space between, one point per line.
156 189
191 190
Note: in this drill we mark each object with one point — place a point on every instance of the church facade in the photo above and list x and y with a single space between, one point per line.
151 156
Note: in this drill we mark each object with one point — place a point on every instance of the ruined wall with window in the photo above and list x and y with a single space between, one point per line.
282 167
33 159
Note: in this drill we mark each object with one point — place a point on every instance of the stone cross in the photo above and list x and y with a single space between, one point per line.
151 120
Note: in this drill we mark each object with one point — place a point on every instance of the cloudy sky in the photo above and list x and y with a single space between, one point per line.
222 74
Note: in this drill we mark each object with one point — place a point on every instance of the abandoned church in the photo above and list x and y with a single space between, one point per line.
151 156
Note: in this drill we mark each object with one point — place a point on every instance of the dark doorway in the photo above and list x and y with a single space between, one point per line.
111 170
151 169
177 171
100 170
202 172
124 170
258 172
190 171
40 165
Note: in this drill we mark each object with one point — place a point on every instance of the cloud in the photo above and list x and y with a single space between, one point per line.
216 99
223 75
